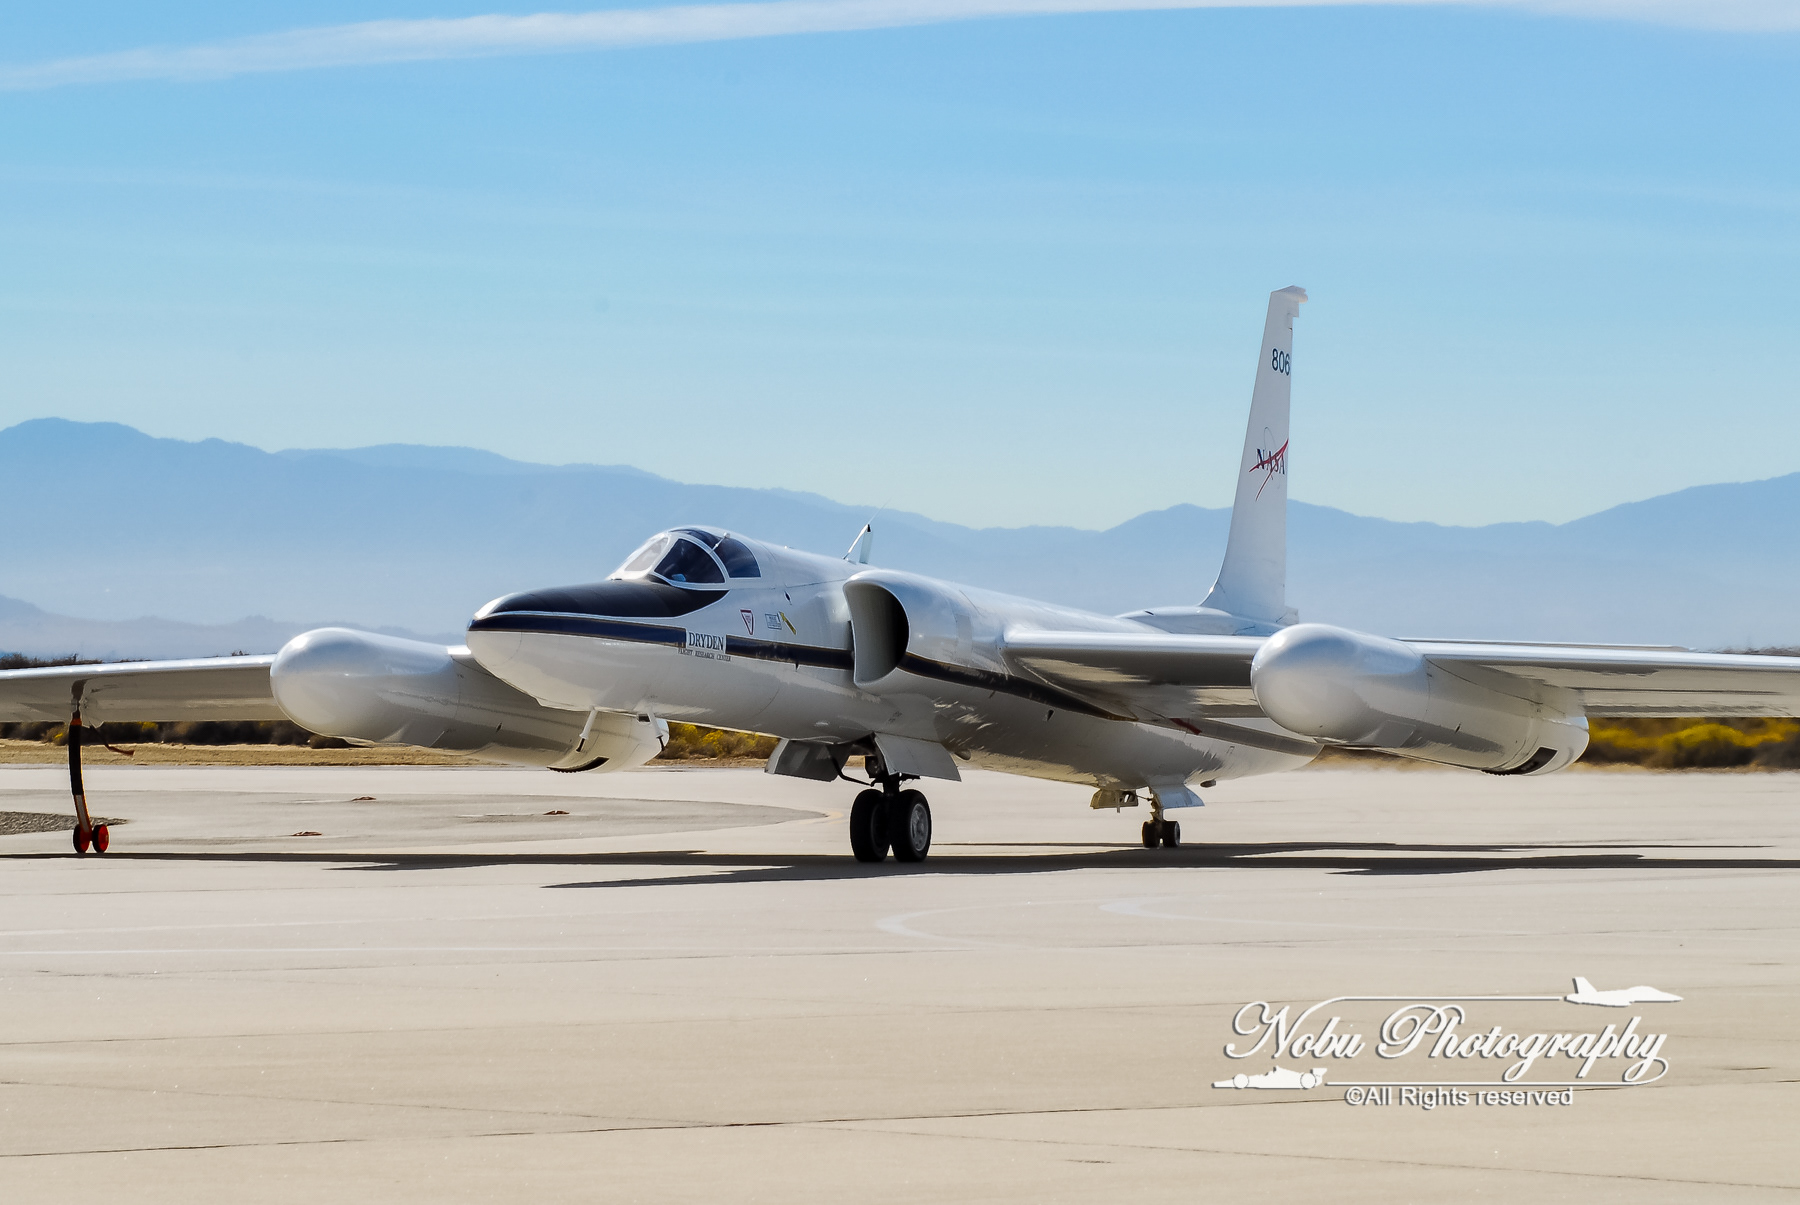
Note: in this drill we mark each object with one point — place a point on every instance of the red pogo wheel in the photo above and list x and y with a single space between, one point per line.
102 838
81 838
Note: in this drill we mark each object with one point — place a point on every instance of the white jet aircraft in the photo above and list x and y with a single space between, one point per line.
920 676
1275 1077
1621 997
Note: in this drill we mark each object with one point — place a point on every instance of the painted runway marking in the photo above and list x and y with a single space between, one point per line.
1140 907
900 924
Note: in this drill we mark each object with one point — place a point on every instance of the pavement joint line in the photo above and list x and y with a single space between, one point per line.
534 1027
1364 1159
677 954
1152 1007
851 1124
320 1100
592 917
294 924
655 1125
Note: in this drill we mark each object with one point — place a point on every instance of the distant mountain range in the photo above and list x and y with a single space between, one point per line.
37 633
109 524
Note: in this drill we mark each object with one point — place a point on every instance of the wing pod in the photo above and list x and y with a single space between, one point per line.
1352 689
381 690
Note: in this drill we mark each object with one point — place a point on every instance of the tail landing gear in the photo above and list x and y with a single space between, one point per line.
889 818
1158 830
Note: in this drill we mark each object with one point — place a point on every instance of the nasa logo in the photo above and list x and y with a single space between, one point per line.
1270 460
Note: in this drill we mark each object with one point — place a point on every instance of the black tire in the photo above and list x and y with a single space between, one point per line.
910 828
1152 838
868 827
1171 834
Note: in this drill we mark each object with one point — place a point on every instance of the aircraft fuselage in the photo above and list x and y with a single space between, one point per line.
775 654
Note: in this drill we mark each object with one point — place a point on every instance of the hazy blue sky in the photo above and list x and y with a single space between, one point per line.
999 271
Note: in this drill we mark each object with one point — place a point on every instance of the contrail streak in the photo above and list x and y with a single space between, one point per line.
398 41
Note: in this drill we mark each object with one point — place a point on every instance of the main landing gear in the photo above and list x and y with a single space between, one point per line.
86 832
887 817
1158 830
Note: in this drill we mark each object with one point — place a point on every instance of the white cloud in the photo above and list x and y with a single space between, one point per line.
399 41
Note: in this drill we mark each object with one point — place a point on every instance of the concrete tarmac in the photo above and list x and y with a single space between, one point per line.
685 990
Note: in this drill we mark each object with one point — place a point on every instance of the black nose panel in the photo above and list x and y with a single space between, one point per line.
619 600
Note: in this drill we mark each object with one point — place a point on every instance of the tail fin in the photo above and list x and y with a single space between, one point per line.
1253 580
1583 987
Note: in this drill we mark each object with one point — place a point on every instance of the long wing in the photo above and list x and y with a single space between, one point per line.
1641 681
1197 683
1161 675
210 688
1149 674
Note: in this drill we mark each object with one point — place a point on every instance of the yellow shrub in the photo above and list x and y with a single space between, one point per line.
1671 744
690 742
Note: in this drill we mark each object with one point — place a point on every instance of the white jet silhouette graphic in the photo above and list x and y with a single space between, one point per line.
1624 997
1275 1077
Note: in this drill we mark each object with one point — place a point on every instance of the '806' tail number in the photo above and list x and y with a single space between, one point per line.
1281 361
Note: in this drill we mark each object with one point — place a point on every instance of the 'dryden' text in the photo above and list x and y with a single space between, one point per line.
707 645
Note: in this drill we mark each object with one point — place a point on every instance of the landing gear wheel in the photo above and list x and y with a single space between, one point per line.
102 838
911 827
868 827
1171 835
81 838
1152 838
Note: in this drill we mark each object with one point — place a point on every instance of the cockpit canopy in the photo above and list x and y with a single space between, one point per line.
691 557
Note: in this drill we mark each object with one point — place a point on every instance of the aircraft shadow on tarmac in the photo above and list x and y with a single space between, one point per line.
1361 858
1366 858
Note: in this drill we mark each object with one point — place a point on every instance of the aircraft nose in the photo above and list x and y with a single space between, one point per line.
557 607
497 629
556 599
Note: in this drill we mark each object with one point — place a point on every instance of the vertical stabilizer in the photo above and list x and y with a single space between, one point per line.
1253 581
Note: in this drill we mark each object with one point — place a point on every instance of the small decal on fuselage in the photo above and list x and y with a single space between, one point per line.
749 618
